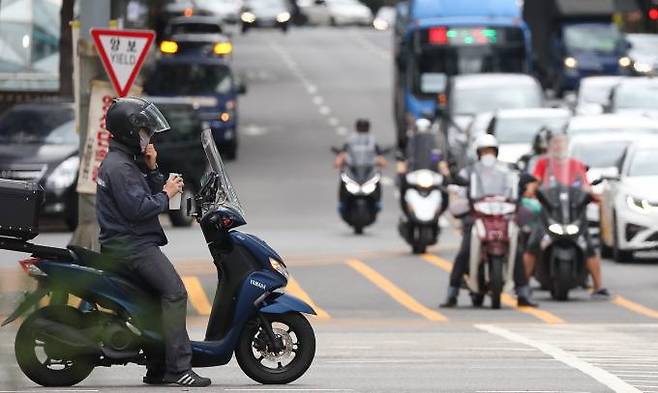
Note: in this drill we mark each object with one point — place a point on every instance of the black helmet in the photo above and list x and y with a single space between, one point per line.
362 125
540 143
127 116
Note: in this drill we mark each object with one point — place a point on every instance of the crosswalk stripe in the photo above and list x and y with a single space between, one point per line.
197 295
394 291
296 290
506 299
635 307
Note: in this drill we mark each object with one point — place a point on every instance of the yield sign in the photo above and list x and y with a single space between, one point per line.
123 53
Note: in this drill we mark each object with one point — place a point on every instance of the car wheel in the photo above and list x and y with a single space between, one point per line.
332 22
284 28
618 254
71 213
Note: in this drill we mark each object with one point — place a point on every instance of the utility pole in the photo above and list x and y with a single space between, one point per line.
92 14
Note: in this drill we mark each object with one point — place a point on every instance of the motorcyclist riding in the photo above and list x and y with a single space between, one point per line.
558 155
131 195
539 149
494 176
361 139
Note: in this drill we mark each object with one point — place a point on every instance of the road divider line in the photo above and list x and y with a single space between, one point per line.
296 290
394 291
197 295
506 299
611 381
635 307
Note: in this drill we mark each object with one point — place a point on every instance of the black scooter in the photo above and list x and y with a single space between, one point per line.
60 345
360 194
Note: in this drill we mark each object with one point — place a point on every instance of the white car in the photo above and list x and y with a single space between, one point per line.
335 12
594 94
385 18
612 123
637 95
515 129
601 153
643 52
629 207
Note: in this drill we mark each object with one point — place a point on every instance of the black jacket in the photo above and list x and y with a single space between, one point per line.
129 201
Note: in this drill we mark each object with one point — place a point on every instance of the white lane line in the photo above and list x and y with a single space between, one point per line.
312 89
341 131
50 391
325 110
611 381
528 391
318 100
333 122
285 390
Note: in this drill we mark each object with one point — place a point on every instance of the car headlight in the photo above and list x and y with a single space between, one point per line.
556 229
624 61
642 68
64 175
570 62
280 267
223 48
248 17
639 205
380 24
168 47
283 17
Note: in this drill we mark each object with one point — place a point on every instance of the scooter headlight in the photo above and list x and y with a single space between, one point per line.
556 229
369 188
572 229
279 267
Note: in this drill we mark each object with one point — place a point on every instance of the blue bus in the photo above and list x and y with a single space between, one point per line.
435 39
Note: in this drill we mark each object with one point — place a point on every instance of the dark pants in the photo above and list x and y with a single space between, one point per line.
462 261
157 272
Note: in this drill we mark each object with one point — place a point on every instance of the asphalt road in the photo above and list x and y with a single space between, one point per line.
379 328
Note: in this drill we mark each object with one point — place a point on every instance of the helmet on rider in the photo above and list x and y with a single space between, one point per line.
486 146
133 121
362 125
542 138
423 125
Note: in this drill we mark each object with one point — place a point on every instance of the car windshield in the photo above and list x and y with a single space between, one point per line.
603 154
635 96
592 37
189 79
195 28
50 125
267 4
523 130
644 163
473 100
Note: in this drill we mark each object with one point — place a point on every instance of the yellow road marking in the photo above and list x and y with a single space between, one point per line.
296 290
197 295
635 307
394 291
505 298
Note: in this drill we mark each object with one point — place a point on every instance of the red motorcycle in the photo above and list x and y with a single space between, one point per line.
494 240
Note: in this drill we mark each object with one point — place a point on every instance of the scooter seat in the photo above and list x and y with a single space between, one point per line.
88 258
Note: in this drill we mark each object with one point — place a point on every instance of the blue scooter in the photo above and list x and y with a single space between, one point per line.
59 345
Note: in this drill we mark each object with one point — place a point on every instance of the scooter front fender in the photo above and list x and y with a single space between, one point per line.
285 303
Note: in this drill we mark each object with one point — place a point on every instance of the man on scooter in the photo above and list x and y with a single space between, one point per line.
131 195
361 139
489 170
576 173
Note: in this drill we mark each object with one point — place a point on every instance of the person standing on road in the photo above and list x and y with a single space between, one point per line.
128 203
492 174
575 173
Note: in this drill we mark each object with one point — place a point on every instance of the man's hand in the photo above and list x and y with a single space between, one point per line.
173 186
150 157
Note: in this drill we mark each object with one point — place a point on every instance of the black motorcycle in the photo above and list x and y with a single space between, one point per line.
561 266
360 193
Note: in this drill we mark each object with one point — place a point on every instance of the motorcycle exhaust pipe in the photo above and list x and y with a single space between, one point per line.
68 336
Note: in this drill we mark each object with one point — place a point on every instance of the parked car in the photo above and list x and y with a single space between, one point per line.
594 94
38 142
515 129
643 52
635 95
629 207
336 12
384 19
265 14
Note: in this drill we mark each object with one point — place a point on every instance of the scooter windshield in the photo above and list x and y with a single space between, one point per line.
226 194
497 181
565 187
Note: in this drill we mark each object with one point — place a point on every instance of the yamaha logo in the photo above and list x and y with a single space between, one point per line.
258 284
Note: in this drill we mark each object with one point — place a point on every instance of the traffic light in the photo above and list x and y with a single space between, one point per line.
653 13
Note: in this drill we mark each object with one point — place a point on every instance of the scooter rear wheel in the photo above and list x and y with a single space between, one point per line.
266 367
45 362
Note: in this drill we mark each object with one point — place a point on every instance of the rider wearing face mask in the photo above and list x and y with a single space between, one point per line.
131 195
493 176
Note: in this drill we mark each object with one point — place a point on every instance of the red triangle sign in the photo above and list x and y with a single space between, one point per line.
123 53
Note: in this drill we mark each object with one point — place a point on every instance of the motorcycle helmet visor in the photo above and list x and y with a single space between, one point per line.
153 120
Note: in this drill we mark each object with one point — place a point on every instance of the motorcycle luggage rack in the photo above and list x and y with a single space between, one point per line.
36 250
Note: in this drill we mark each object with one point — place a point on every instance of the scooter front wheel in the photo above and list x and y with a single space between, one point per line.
260 363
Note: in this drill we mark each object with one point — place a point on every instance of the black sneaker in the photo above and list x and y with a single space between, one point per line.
449 303
600 294
188 378
523 301
154 377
